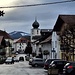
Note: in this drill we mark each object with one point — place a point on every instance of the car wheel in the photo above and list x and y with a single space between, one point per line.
36 65
33 65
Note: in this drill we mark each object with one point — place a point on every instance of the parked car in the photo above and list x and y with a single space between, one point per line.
47 62
37 62
56 67
9 60
16 59
69 69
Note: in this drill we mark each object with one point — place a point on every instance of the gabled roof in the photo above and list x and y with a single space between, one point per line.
44 39
21 40
69 19
48 39
5 34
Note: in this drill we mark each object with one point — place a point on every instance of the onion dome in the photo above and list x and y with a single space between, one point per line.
35 24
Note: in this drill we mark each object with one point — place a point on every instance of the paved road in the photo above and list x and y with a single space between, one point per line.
21 68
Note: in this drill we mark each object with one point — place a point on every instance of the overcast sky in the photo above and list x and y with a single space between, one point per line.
21 19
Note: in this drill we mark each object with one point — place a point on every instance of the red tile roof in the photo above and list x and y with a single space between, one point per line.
21 40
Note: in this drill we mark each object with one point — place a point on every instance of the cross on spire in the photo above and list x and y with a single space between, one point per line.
35 18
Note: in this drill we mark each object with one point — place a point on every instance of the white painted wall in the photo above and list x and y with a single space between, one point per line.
17 46
37 49
34 32
55 45
46 46
20 55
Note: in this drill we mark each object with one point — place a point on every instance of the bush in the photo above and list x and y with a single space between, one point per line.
46 52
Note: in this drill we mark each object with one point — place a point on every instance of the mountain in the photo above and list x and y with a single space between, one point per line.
18 34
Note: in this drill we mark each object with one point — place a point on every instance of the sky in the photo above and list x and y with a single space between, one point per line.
22 18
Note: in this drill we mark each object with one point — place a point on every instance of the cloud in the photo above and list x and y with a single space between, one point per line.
22 18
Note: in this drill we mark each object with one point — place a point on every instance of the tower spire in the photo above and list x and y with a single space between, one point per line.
35 18
35 24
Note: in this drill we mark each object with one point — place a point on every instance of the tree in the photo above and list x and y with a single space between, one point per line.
40 53
28 49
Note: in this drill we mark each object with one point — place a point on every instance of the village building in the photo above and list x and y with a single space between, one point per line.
46 45
8 41
50 45
35 34
37 37
2 46
65 28
20 44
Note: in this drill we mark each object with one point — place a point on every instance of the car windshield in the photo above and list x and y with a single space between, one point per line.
51 62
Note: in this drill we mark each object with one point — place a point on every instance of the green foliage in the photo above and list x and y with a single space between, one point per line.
28 49
46 52
2 51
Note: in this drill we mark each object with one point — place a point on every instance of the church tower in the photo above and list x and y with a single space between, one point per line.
35 34
35 31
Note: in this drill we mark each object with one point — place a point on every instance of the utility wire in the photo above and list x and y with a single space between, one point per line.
38 4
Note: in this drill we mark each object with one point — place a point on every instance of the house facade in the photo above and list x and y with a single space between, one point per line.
20 44
9 42
65 28
46 47
44 43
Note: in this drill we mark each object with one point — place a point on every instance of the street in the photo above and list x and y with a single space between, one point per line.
20 68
